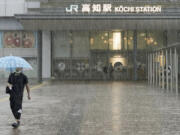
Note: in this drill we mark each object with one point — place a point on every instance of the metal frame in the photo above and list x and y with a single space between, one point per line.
163 68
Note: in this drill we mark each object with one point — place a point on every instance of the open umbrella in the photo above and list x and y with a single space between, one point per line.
9 63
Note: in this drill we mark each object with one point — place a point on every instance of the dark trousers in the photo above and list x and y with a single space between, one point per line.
16 106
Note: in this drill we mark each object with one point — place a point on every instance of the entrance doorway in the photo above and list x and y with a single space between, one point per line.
103 55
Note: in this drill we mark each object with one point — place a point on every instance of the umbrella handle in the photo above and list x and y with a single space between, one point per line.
11 70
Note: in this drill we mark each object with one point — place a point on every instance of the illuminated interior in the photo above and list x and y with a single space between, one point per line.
162 60
123 40
118 58
117 41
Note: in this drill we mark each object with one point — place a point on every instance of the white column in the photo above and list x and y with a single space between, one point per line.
46 54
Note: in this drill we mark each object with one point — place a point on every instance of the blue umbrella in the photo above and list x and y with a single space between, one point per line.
10 63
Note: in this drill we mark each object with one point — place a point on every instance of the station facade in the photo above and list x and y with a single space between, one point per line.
89 40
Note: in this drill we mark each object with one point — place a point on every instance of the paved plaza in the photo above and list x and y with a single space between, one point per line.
95 108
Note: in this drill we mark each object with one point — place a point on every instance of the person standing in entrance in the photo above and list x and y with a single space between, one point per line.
110 71
16 83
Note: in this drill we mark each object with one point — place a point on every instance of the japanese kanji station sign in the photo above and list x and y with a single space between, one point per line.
109 8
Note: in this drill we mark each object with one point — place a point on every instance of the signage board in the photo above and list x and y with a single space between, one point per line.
109 8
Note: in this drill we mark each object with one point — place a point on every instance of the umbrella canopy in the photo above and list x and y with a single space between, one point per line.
10 63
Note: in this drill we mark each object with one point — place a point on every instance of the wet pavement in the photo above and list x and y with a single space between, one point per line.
95 108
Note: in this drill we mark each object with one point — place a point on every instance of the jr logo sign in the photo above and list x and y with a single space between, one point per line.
72 8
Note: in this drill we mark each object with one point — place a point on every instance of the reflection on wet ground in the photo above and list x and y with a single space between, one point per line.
96 108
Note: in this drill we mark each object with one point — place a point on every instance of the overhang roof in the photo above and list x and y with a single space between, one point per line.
99 22
10 23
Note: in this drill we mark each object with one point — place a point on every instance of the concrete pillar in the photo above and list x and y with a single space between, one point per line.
148 68
176 69
165 38
154 69
163 70
122 42
171 70
167 78
46 54
39 57
177 86
71 52
159 68
52 53
156 57
135 55
177 81
150 73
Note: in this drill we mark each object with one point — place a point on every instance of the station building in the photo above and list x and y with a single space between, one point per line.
88 39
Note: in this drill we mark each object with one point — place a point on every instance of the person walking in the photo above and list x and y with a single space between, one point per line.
16 83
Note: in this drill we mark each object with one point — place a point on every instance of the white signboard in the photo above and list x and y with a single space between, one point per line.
109 8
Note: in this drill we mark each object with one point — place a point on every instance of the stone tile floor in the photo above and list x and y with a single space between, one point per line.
96 108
